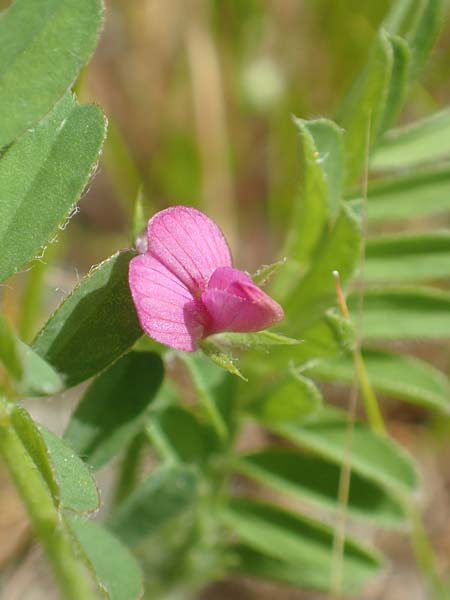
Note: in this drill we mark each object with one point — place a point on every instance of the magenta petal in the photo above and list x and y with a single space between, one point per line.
189 244
235 303
166 309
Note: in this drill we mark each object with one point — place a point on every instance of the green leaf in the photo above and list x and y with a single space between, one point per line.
94 325
397 20
375 457
41 54
405 313
313 479
413 195
260 339
364 109
113 409
34 443
41 178
408 257
425 141
330 336
9 350
398 84
423 36
322 185
248 562
315 293
227 362
400 376
165 494
67 477
115 569
189 440
38 377
77 489
419 21
327 338
25 455
265 273
297 541
224 360
292 401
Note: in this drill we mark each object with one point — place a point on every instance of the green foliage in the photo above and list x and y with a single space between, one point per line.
76 485
313 479
425 141
320 201
225 360
364 111
24 454
373 456
408 196
38 377
94 325
297 542
291 401
408 257
384 317
186 439
67 477
47 167
41 53
36 448
398 84
399 376
166 493
266 272
315 292
112 411
115 570
262 340
420 21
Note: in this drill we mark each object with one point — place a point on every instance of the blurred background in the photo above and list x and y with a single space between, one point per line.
199 95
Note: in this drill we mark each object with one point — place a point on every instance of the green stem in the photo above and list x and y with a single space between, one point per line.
47 522
370 400
161 444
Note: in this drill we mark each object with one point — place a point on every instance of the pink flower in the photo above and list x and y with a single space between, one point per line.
185 288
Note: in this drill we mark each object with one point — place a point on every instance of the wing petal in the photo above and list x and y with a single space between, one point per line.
167 310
